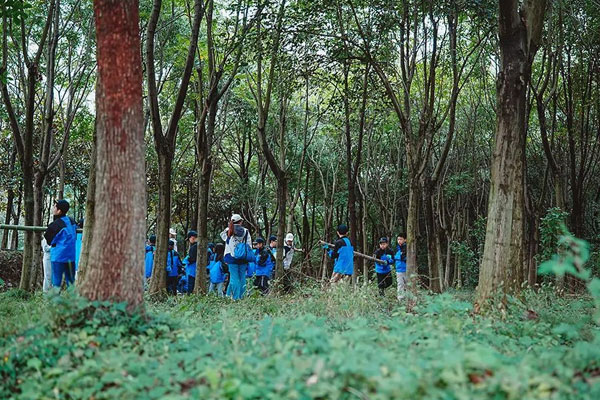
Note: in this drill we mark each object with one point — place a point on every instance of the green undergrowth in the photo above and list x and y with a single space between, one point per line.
339 343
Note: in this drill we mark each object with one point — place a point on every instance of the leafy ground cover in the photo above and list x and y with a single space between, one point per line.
313 344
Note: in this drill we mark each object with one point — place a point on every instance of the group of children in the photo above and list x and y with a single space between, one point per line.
226 273
232 269
343 253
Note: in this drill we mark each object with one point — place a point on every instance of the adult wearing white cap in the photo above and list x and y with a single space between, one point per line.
173 237
288 255
232 236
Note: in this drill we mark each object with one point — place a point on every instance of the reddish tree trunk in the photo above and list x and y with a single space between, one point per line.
115 265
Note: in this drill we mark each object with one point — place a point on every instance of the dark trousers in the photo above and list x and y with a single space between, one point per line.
384 281
262 284
172 284
191 284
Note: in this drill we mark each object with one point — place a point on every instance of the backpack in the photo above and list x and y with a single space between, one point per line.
243 251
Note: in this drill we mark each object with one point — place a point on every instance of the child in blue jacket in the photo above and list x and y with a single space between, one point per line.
384 270
400 259
216 271
264 267
174 268
149 260
343 254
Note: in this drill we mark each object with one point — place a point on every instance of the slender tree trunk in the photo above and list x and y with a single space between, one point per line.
115 266
10 197
412 222
434 259
28 208
89 221
158 283
17 218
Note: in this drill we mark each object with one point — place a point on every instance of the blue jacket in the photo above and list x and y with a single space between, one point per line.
252 266
216 272
343 254
400 259
61 234
388 256
174 264
149 260
264 263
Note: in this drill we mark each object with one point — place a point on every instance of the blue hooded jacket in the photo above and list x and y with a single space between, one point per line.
264 263
343 253
149 260
252 266
386 255
173 263
216 272
400 260
61 234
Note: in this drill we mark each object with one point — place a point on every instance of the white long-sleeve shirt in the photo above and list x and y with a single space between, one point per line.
235 239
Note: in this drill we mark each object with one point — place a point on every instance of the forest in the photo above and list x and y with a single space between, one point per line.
470 128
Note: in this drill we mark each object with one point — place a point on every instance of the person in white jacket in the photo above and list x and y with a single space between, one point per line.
232 236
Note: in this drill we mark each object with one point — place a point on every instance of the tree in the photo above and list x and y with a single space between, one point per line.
164 142
114 270
520 30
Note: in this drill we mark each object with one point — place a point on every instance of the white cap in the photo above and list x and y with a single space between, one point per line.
289 237
172 231
236 218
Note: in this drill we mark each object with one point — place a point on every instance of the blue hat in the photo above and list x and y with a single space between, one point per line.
342 229
171 243
192 233
259 240
152 239
272 238
383 240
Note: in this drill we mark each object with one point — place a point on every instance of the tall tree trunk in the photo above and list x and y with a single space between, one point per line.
502 263
14 245
158 283
412 230
10 197
434 256
89 221
115 266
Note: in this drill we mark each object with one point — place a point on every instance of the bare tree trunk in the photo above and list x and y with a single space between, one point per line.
89 221
10 197
158 282
115 266
502 263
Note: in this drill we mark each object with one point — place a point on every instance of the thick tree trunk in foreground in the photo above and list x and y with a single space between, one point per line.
502 264
115 266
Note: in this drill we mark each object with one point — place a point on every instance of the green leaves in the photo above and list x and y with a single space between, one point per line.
336 344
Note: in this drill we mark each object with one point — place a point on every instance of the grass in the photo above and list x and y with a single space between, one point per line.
313 344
